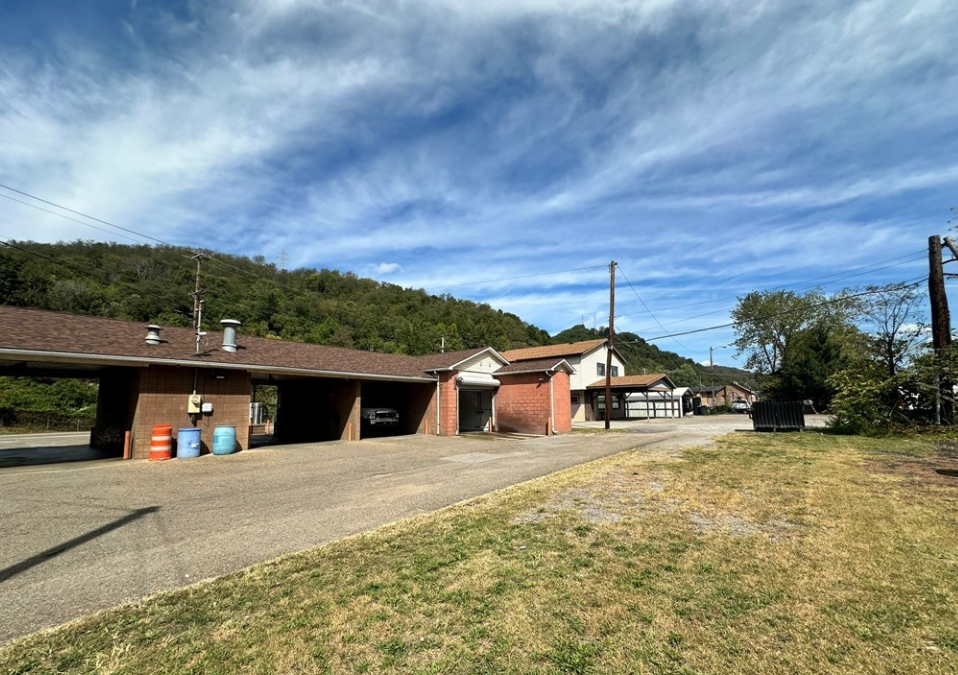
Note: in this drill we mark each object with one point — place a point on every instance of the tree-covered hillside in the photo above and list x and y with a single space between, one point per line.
153 284
145 283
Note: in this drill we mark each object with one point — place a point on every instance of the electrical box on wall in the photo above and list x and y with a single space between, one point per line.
207 408
193 407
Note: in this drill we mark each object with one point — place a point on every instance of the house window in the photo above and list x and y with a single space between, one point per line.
575 399
600 369
615 371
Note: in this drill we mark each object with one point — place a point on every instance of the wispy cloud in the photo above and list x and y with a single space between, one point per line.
710 148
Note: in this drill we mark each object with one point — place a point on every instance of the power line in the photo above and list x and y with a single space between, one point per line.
726 309
80 213
908 284
87 272
655 318
39 208
166 243
845 274
125 229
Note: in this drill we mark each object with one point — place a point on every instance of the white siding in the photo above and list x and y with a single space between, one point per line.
585 368
659 404
487 365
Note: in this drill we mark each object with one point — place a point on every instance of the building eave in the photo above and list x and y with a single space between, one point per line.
137 361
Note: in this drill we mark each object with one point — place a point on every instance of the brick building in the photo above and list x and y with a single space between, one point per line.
725 394
588 361
150 375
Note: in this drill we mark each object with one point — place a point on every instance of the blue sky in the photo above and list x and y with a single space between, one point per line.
711 148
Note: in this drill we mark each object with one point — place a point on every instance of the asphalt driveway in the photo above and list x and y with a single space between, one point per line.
81 537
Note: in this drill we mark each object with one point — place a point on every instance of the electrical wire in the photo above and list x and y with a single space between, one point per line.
39 208
88 273
209 257
728 309
80 213
655 318
909 284
911 257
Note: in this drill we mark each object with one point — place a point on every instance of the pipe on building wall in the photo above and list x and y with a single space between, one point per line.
438 408
552 405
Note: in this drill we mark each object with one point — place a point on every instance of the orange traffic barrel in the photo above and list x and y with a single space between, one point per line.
161 443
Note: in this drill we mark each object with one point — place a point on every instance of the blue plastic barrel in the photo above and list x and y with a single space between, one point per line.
188 443
224 440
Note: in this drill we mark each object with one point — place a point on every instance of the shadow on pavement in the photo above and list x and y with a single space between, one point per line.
20 567
51 455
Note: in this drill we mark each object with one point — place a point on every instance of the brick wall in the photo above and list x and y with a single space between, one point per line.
522 403
563 402
448 403
162 399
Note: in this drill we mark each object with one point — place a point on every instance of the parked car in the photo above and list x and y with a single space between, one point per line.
379 417
742 407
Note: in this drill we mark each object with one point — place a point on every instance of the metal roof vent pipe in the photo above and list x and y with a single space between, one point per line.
229 334
153 334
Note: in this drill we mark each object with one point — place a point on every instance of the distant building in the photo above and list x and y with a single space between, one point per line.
726 394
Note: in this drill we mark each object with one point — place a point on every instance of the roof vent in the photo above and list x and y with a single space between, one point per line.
153 334
229 334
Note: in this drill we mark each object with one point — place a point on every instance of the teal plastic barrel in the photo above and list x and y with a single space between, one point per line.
224 440
188 443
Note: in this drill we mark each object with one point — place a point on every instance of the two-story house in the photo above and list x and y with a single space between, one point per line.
588 359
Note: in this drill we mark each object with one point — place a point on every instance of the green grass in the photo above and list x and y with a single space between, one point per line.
765 554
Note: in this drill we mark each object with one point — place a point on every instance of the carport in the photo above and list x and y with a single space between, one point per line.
636 397
154 375
412 400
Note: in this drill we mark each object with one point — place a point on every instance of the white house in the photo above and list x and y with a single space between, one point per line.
588 359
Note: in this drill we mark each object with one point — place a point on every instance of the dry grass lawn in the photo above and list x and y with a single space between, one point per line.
763 554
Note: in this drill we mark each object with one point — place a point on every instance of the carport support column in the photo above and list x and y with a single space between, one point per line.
354 413
552 406
448 404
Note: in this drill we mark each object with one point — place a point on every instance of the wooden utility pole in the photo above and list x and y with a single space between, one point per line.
608 354
940 320
197 293
712 374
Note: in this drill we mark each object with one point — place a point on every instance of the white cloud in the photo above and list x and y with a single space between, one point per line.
387 268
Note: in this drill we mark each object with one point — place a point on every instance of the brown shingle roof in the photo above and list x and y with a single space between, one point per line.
447 359
631 381
536 365
548 351
89 337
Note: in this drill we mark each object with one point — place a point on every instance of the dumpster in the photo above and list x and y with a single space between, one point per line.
778 416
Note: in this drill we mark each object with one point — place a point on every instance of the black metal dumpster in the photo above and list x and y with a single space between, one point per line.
778 416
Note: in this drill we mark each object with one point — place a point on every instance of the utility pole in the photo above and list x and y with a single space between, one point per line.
197 292
712 374
608 354
442 345
940 320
